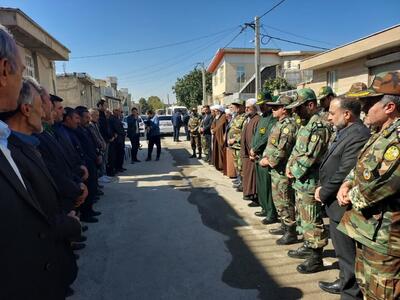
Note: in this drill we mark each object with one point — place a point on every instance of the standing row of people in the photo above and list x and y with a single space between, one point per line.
51 159
299 158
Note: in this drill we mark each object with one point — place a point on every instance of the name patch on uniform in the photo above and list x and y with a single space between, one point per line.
285 130
314 138
392 153
367 174
262 130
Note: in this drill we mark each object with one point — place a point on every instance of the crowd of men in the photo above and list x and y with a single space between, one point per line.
53 162
302 157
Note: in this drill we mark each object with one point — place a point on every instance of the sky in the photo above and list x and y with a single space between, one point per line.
197 28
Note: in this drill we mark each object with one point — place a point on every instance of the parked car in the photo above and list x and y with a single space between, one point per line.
141 124
166 125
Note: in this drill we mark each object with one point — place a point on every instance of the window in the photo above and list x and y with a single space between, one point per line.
331 79
29 66
221 74
240 74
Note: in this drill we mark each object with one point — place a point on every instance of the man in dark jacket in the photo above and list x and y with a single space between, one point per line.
177 124
205 131
351 135
134 133
118 132
24 122
27 250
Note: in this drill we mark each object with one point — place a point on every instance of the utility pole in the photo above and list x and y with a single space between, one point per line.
257 56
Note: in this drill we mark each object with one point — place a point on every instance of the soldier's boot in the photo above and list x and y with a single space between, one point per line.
290 236
199 157
194 154
302 252
313 264
278 230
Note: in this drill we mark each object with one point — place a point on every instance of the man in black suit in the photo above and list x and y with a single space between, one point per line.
25 121
27 250
118 143
205 130
134 133
351 135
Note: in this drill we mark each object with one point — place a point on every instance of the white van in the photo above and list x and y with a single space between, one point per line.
173 109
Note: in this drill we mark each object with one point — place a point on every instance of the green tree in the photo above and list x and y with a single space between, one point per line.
144 106
189 88
277 84
155 103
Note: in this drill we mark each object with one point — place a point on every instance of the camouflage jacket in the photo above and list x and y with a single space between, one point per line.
374 219
311 144
260 137
235 131
194 124
280 143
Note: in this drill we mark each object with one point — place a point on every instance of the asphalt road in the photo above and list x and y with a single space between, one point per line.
175 229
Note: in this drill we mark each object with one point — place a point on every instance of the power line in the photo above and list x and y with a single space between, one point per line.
154 48
272 8
243 28
293 42
299 36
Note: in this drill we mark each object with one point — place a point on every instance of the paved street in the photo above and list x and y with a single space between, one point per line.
175 229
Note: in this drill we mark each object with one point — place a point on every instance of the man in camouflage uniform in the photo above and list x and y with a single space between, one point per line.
259 142
275 156
373 190
234 135
205 131
325 97
303 165
195 138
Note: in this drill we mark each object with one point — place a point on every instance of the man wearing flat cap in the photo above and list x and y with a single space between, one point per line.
260 139
303 165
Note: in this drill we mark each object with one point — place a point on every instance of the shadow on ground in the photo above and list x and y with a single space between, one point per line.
244 271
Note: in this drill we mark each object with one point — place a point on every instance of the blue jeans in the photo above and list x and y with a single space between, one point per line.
176 133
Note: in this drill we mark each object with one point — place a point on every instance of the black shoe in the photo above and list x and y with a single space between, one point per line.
290 236
253 204
278 230
313 264
84 228
89 219
260 213
268 221
148 159
69 292
77 246
80 239
331 287
192 156
94 213
302 252
157 159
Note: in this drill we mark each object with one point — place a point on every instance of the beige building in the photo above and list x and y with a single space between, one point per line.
38 49
233 69
77 89
357 61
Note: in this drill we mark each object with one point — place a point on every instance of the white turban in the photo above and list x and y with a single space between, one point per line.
251 102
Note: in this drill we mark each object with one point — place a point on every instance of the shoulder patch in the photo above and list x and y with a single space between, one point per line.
392 153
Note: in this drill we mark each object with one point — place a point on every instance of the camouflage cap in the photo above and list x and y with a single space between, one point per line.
325 91
263 97
282 100
361 91
303 95
387 83
238 102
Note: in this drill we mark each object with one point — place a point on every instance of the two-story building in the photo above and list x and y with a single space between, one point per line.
38 48
233 70
358 61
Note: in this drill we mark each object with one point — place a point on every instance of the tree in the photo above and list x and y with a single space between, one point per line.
144 106
189 88
155 103
277 84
